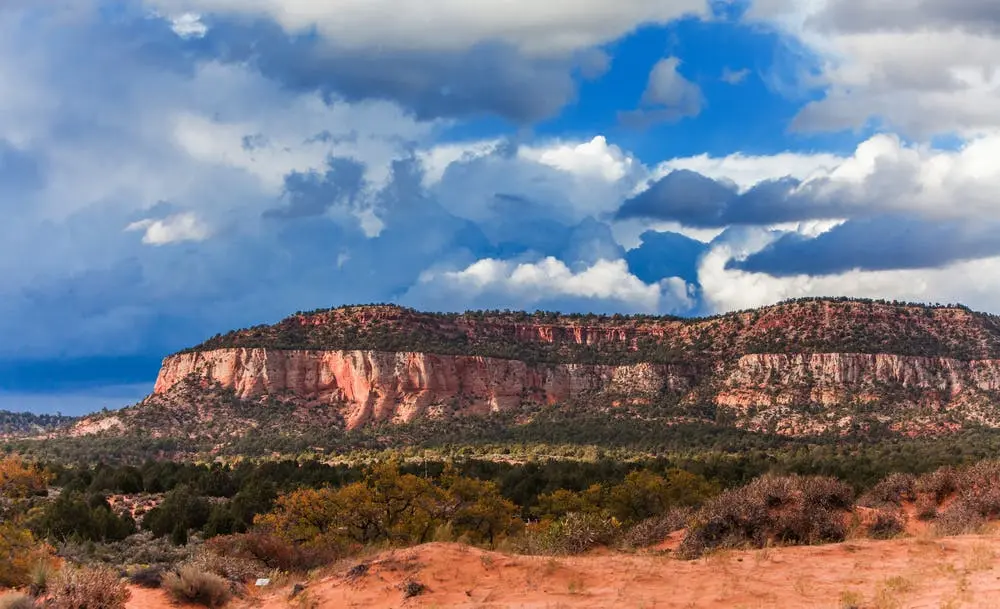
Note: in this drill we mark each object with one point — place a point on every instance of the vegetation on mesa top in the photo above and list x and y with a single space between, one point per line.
19 423
833 325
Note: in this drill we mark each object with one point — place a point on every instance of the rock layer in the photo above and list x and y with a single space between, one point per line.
399 387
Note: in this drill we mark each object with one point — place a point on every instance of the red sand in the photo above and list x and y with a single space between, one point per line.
914 573
911 573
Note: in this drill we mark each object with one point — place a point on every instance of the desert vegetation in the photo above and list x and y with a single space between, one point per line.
820 325
65 541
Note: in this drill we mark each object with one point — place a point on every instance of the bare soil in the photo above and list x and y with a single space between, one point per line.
912 573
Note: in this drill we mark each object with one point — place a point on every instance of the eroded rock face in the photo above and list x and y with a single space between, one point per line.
380 386
835 378
399 387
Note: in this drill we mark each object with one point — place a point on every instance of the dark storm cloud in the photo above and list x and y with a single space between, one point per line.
666 254
312 193
693 199
489 79
876 244
854 16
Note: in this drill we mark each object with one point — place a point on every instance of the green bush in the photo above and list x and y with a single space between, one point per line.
74 516
572 534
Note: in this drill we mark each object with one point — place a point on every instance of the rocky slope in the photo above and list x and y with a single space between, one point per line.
801 367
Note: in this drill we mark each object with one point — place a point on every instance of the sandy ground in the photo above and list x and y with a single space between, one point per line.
902 574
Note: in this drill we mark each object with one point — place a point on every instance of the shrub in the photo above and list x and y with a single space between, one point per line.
88 588
16 600
150 577
940 484
789 509
886 525
572 534
654 530
190 585
644 494
232 568
927 507
40 576
413 588
19 552
270 550
72 515
180 511
894 489
960 518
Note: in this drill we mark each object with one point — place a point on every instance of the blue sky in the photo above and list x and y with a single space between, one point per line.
171 169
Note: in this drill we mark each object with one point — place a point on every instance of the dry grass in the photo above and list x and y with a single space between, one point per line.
190 585
890 593
16 600
86 588
980 558
851 599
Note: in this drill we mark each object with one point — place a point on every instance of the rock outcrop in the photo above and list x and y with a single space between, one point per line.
373 386
399 387
796 368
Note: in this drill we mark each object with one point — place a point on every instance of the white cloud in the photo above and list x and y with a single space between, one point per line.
270 136
556 26
923 67
747 170
668 97
529 283
189 25
728 289
172 229
884 175
564 180
586 159
734 77
437 158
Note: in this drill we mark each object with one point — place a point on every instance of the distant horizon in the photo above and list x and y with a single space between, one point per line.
79 386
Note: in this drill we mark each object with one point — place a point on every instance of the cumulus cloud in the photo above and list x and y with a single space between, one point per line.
925 67
555 27
172 229
882 243
491 78
883 176
188 25
550 282
301 170
726 288
669 96
746 171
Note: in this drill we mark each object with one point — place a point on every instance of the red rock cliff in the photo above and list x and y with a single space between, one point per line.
399 387
379 386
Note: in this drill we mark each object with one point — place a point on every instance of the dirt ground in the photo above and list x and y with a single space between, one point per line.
910 573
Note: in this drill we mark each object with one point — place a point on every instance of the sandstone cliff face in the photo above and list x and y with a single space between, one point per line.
833 378
399 387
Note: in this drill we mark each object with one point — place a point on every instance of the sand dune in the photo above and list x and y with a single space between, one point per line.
911 573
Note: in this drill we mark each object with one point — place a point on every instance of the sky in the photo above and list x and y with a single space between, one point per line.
172 169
